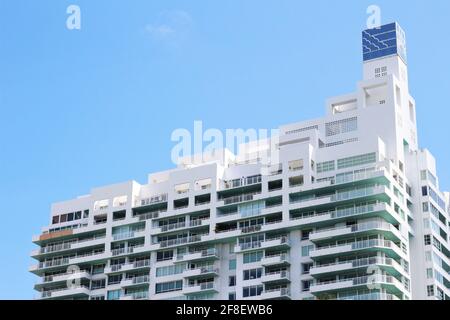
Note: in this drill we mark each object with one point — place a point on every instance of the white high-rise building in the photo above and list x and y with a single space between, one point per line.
351 209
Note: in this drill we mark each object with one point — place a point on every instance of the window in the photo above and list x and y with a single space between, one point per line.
440 294
424 191
429 273
114 294
232 264
231 281
98 284
377 72
181 203
253 257
232 296
305 234
305 285
325 166
356 160
296 181
164 255
306 267
251 209
252 274
306 250
427 239
55 220
252 291
169 270
430 291
425 207
119 215
168 286
98 269
115 279
380 72
86 213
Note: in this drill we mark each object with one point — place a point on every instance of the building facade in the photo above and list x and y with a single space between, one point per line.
350 209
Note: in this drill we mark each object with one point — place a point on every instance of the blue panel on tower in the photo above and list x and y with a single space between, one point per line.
384 41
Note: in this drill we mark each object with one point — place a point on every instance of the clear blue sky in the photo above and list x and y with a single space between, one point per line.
87 108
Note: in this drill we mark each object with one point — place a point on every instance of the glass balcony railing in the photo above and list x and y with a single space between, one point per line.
240 198
174 242
67 245
360 227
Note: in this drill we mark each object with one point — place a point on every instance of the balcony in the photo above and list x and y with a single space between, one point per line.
143 202
129 235
238 199
203 255
51 264
73 292
137 265
73 245
378 192
391 284
362 229
149 215
136 296
318 219
179 226
201 272
237 183
279 242
177 242
278 276
89 257
61 278
374 245
370 296
236 231
386 264
206 287
358 177
129 250
276 294
282 259
135 281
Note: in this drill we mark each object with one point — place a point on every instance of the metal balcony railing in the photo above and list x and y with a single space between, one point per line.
242 182
151 200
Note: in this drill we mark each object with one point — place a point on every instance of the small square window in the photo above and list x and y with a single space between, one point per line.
55 220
